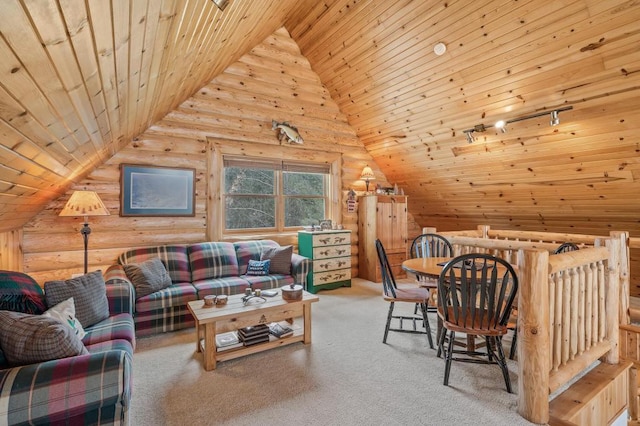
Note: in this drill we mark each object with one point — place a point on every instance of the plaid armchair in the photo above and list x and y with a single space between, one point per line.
91 389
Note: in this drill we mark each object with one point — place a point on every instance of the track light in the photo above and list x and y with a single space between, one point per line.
502 124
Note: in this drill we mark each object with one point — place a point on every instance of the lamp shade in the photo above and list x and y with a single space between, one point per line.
84 203
367 174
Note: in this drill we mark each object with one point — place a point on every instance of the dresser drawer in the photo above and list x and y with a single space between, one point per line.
322 265
331 251
331 239
331 276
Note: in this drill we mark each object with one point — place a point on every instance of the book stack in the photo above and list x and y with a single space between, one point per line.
226 341
280 330
254 334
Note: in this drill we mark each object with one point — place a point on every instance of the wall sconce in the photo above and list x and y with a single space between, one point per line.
84 203
502 124
367 176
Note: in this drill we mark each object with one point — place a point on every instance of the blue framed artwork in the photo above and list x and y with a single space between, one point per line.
156 191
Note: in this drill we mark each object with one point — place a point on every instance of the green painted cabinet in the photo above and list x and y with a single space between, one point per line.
330 252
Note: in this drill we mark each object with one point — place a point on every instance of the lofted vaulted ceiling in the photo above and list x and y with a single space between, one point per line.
81 79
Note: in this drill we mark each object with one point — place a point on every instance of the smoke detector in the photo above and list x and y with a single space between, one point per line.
439 49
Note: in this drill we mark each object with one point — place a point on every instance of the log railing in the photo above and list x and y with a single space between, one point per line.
568 305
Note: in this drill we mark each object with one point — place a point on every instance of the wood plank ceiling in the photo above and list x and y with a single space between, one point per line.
81 79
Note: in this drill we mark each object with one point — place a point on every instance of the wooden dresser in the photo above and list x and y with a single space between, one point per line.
330 252
382 217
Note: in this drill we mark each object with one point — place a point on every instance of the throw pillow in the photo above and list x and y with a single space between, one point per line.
20 293
258 267
28 339
65 312
148 277
280 259
89 296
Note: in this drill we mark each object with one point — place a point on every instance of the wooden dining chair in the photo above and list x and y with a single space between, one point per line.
475 295
394 294
513 322
429 245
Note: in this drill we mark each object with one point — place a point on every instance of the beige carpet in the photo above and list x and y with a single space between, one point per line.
347 376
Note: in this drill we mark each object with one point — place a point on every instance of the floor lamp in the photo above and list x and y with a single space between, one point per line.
85 203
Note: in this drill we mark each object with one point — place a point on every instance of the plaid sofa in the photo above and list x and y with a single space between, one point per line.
197 270
92 389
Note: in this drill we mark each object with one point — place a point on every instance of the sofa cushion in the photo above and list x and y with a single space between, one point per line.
89 295
175 295
28 339
65 312
174 258
269 281
258 267
212 260
116 327
20 293
280 259
217 286
148 277
250 250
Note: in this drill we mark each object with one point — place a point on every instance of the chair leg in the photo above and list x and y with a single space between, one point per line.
502 362
386 328
514 345
441 338
423 309
448 357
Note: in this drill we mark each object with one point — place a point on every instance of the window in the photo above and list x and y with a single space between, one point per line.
273 194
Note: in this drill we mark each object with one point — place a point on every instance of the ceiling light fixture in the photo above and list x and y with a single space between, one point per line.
501 124
221 3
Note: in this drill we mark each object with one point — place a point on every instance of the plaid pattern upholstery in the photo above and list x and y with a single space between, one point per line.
89 296
176 295
28 339
92 389
120 294
269 281
300 267
20 293
174 258
250 250
212 260
163 320
116 327
217 286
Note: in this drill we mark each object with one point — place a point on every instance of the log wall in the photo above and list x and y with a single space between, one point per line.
273 81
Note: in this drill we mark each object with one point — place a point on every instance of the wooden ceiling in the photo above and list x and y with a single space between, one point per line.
81 79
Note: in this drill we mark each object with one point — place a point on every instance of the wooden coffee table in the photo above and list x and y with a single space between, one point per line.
235 315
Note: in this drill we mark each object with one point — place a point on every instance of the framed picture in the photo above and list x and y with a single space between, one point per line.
156 191
325 224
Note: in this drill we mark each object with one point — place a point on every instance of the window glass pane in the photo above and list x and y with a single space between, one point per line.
303 184
249 212
239 180
301 211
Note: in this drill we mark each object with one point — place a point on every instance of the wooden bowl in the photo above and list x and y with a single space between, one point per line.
292 292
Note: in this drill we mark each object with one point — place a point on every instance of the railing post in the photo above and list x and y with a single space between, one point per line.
623 238
612 300
484 231
533 335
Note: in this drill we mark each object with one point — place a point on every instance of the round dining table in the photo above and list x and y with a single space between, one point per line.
425 266
431 267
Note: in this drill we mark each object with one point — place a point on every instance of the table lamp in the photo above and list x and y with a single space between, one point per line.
367 175
84 203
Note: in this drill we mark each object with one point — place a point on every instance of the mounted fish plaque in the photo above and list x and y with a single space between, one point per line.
287 132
